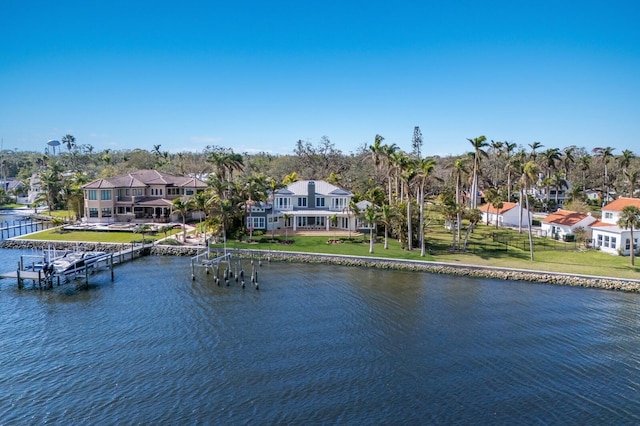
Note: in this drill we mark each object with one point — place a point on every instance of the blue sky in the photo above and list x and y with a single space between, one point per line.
258 76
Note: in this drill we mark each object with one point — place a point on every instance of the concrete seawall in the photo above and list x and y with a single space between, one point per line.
589 281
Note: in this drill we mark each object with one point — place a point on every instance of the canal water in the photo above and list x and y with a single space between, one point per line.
316 344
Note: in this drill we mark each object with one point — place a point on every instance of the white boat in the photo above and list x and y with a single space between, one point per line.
76 260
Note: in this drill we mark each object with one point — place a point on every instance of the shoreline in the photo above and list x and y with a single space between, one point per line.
468 270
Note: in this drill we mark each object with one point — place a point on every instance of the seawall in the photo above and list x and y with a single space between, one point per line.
588 281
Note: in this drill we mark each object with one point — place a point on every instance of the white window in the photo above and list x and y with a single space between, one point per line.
319 201
608 215
599 240
613 242
255 222
302 201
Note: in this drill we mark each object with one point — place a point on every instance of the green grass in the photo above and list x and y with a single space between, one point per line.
93 236
11 206
549 255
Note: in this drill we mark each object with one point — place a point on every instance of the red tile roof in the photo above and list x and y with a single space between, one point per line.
620 203
565 217
506 206
601 223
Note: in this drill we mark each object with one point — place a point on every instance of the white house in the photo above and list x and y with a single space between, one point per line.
311 204
508 215
564 222
607 235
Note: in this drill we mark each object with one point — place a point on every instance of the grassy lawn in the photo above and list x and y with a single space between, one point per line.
11 206
55 234
549 255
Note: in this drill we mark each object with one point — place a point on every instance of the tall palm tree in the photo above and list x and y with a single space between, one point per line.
568 158
69 141
389 153
182 207
630 218
625 159
377 151
585 166
202 202
632 177
528 178
478 144
559 182
351 209
459 171
534 146
425 168
386 216
509 147
371 217
496 148
606 154
407 174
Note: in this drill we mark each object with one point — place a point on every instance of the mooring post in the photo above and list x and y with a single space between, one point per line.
18 276
86 276
193 271
111 265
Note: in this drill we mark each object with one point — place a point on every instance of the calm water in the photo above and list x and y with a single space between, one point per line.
316 345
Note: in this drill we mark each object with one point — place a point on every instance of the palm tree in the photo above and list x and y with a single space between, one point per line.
494 199
349 209
474 216
632 177
376 151
202 202
371 216
508 149
528 178
407 175
182 207
534 146
425 169
477 143
69 141
630 218
459 171
550 157
389 152
386 216
606 153
625 159
143 228
558 182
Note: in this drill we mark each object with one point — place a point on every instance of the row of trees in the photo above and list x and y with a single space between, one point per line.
405 187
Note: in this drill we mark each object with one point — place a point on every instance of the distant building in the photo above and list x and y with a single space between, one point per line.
564 222
506 216
607 235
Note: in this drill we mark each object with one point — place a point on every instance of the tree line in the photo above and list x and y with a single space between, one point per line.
406 187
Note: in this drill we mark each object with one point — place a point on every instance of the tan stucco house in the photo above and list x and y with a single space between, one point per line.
143 195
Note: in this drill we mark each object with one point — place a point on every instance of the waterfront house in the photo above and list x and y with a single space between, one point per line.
304 205
506 216
606 233
563 222
143 195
